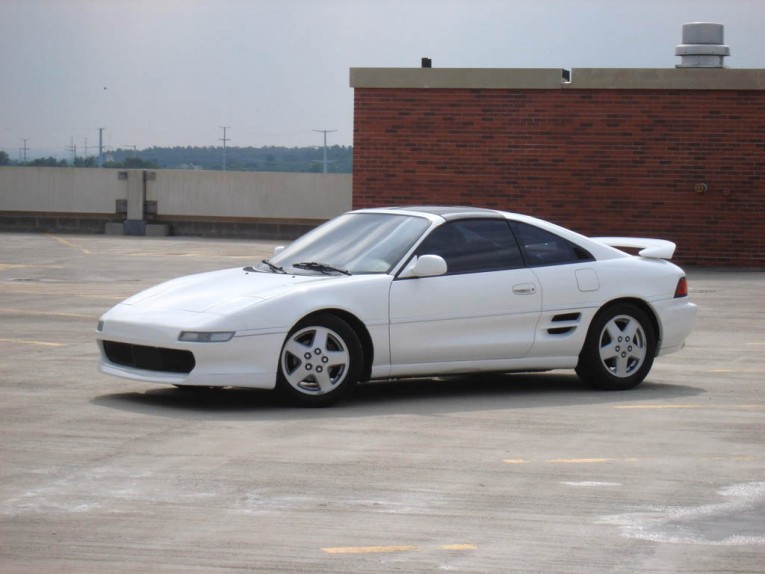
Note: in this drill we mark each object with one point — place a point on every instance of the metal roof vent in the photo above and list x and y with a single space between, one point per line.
702 46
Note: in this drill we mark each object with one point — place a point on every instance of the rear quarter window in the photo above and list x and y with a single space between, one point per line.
541 247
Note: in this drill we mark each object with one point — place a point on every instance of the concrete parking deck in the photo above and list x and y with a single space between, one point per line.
516 473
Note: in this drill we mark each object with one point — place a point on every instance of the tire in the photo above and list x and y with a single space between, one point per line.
320 362
619 350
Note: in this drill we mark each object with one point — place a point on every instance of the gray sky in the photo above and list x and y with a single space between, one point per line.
170 72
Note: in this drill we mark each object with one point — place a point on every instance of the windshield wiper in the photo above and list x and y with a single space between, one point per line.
272 267
320 267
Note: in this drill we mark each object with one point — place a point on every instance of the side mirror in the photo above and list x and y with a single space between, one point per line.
428 266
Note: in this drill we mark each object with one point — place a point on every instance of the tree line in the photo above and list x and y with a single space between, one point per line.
270 158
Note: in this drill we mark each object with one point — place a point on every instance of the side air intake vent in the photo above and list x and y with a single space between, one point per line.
564 323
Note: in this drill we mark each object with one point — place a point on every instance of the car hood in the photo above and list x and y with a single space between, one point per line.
219 291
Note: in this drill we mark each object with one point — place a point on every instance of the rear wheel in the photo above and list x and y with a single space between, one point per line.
619 350
320 362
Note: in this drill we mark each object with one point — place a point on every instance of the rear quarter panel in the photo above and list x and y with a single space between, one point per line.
585 288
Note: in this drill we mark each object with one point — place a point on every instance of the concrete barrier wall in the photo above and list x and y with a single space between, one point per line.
252 195
185 201
59 190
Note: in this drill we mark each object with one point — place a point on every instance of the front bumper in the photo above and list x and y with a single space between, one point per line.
249 359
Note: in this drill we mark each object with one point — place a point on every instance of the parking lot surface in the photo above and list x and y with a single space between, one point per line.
510 473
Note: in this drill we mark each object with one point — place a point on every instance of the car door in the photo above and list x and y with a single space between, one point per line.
571 286
484 308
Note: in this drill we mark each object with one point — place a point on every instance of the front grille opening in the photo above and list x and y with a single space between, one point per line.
149 358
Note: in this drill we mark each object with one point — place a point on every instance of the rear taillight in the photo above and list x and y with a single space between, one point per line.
682 288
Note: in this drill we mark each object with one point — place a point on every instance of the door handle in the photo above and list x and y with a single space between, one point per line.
525 289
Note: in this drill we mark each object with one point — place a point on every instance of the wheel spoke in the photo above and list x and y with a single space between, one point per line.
337 358
324 380
320 339
614 332
631 329
296 349
637 353
621 365
608 351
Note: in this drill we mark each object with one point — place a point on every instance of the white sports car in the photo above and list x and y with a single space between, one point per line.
403 292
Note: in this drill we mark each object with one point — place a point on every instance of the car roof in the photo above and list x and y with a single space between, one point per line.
444 211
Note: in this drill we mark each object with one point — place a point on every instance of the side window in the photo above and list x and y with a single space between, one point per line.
544 248
474 246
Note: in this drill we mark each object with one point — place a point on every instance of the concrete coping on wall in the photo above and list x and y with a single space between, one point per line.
488 78
555 78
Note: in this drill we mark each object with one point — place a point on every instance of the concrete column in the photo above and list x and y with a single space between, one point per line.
135 223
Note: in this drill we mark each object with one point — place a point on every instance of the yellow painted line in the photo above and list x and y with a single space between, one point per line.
61 291
368 549
515 461
169 254
743 458
629 459
7 266
191 254
46 314
390 549
165 254
580 460
755 343
69 244
635 407
29 342
710 406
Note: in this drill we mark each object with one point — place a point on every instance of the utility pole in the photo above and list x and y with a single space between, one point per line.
224 139
325 132
101 147
23 151
72 148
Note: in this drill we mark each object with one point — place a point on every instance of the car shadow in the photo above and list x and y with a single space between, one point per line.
426 396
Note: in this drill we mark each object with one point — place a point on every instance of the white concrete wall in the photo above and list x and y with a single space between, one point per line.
251 195
178 192
59 190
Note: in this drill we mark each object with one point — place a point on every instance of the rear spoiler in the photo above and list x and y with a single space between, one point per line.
650 248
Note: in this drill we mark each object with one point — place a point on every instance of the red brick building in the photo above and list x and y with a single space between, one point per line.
670 153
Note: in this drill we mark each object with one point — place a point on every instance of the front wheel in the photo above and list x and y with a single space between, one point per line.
320 362
619 349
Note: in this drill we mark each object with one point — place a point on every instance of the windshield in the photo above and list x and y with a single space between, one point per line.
358 243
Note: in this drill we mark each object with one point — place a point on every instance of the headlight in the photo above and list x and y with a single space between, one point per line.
100 327
206 336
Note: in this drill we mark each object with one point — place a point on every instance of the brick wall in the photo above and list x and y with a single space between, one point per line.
600 161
